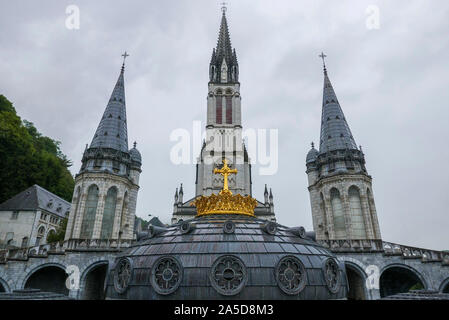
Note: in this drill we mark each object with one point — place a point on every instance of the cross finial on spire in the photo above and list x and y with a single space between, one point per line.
125 55
322 56
224 7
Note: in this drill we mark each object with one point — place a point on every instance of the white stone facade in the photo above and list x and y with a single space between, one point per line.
125 208
324 210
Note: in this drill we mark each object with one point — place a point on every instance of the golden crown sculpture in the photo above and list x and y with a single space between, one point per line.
225 202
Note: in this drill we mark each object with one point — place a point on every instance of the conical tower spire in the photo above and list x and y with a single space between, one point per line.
224 65
335 132
112 131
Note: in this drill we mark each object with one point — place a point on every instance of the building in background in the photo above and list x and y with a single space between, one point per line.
30 216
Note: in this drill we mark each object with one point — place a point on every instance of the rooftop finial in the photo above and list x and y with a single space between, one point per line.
322 56
125 55
313 145
224 7
135 144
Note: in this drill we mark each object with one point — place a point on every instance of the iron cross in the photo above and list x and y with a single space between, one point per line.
125 55
322 56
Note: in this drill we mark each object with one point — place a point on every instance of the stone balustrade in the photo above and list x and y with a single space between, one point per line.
63 246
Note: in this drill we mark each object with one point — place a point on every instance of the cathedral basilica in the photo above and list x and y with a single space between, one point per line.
224 243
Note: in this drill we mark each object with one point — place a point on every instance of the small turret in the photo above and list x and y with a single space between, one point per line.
181 195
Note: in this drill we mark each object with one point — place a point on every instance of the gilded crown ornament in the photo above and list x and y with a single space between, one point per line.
225 202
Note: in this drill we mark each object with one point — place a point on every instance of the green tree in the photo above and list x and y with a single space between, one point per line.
27 157
59 235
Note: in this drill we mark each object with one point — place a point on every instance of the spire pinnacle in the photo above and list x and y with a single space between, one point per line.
224 7
335 132
322 56
112 131
125 55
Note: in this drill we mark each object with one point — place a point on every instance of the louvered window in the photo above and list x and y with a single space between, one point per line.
219 110
229 110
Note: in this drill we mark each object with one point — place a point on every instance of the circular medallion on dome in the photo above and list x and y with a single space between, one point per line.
185 227
228 275
166 275
291 275
332 275
122 275
229 227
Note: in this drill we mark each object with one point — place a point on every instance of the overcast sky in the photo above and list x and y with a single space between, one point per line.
392 84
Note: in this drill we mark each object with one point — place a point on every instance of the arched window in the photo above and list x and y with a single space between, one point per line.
228 110
357 219
109 214
87 226
339 215
219 109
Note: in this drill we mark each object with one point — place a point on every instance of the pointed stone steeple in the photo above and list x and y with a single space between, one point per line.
223 65
112 131
335 132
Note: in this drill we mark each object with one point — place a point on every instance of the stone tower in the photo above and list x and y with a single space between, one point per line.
105 194
340 188
224 123
223 135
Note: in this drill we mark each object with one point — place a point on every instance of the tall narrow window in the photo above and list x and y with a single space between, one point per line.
219 110
339 215
109 214
358 222
87 226
228 110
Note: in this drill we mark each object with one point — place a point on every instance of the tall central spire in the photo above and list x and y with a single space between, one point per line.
224 65
112 131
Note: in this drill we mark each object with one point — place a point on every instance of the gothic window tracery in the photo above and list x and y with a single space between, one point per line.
166 275
122 275
291 275
228 275
332 275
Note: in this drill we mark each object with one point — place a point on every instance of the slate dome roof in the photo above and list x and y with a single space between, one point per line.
226 256
135 155
312 155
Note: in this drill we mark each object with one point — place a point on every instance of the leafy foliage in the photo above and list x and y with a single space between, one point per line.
59 234
27 157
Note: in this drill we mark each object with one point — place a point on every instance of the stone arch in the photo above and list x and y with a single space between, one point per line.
399 278
90 211
338 214
92 281
48 277
41 232
444 287
358 228
110 204
4 287
356 281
